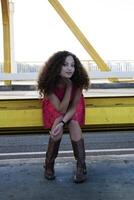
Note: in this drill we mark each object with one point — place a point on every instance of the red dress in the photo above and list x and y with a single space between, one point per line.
50 113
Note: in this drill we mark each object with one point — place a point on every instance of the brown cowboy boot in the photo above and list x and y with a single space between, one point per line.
79 154
51 154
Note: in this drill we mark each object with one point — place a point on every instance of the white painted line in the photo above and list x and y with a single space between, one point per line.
95 158
68 152
110 150
22 153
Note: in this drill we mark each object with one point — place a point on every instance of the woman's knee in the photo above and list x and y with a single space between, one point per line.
56 137
59 135
73 123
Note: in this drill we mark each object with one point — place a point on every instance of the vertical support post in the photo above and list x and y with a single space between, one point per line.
6 37
11 18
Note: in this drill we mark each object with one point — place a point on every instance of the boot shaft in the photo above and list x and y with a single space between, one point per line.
51 154
53 148
79 150
79 154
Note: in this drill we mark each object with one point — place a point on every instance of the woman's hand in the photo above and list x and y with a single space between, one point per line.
57 130
67 82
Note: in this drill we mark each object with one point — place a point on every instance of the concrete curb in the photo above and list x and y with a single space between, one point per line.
93 86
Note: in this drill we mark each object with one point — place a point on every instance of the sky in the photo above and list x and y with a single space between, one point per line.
39 31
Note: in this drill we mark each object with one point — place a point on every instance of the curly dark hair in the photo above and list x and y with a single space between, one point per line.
49 77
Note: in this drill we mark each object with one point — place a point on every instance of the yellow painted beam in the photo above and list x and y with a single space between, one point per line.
20 118
110 115
6 37
100 111
80 36
94 116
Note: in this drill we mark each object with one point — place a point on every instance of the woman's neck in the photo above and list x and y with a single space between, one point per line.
61 84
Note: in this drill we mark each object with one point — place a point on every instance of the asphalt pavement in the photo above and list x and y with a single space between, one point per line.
109 178
96 143
110 165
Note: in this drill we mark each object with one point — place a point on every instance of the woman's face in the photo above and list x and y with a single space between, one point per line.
68 68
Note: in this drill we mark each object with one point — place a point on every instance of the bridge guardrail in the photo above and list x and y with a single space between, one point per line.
92 75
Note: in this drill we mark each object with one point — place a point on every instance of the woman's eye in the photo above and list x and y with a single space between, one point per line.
65 64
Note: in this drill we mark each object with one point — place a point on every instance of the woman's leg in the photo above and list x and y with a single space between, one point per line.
74 130
52 152
79 150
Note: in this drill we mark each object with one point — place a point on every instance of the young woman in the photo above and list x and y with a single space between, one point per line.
60 83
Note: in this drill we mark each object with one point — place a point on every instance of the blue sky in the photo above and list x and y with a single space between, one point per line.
39 31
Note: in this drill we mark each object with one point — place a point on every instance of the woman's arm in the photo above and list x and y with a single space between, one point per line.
71 110
63 105
68 115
